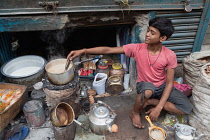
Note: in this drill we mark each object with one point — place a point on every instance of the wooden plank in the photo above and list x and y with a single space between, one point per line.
25 7
54 22
6 4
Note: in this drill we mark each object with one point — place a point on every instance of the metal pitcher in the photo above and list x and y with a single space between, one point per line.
185 132
102 119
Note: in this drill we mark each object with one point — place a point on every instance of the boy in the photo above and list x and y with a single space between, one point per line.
155 67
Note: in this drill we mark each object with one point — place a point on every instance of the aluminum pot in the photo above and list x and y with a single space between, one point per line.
24 70
67 117
54 116
56 72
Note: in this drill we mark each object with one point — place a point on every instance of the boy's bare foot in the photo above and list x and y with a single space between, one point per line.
136 119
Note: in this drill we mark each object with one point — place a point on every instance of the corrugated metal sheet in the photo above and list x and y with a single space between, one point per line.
6 52
30 7
186 26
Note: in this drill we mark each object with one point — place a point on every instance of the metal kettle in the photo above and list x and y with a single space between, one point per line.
185 132
102 118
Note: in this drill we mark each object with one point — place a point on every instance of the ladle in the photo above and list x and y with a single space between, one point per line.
77 63
67 64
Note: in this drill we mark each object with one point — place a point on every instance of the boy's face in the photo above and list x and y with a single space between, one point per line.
153 36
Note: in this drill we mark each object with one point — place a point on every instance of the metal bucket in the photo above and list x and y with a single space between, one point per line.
65 132
34 113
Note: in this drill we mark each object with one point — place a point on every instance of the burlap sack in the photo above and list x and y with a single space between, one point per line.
191 66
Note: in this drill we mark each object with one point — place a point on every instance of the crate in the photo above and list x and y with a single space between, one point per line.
12 111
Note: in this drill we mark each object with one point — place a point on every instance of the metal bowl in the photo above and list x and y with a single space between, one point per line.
23 66
24 70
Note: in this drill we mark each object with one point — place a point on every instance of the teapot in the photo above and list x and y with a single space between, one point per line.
102 118
185 132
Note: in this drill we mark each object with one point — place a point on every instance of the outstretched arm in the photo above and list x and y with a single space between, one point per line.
96 50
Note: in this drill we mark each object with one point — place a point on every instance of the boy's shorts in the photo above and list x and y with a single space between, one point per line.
176 97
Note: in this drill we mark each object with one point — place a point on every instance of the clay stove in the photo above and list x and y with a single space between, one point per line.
63 93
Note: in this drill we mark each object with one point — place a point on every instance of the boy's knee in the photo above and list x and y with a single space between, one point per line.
148 93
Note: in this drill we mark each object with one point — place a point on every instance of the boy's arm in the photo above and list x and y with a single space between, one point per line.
96 50
154 113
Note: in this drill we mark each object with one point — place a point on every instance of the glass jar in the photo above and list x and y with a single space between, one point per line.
103 67
117 70
114 85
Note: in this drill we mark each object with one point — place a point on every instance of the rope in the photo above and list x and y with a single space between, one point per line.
123 4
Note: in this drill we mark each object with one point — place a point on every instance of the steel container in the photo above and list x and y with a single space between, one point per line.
186 132
24 70
56 72
101 118
54 118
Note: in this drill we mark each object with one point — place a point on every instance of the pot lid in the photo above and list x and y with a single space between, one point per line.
101 112
103 62
186 131
117 66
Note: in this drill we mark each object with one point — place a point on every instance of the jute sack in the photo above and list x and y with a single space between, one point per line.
199 117
191 66
200 129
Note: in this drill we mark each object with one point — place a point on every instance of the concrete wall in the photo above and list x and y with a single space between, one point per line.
206 42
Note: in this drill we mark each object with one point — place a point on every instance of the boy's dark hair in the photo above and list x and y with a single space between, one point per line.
164 26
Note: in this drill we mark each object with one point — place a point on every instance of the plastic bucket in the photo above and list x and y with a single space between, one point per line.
99 83
34 113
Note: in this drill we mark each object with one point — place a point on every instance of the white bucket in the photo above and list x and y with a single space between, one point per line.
99 85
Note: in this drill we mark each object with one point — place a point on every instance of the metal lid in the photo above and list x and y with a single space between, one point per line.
114 79
117 66
101 112
32 106
103 62
186 131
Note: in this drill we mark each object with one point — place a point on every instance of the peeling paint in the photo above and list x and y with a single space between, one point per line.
110 18
65 19
75 24
142 22
92 19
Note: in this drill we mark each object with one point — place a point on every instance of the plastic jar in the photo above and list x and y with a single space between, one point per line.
103 67
117 70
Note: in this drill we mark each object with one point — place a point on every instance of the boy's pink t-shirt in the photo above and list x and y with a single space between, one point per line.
155 74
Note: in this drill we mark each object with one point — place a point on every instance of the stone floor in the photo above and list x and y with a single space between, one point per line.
122 106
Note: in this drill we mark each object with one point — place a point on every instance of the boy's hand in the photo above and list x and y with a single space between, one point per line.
154 113
74 54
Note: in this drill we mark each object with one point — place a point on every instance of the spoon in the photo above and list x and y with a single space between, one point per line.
67 64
